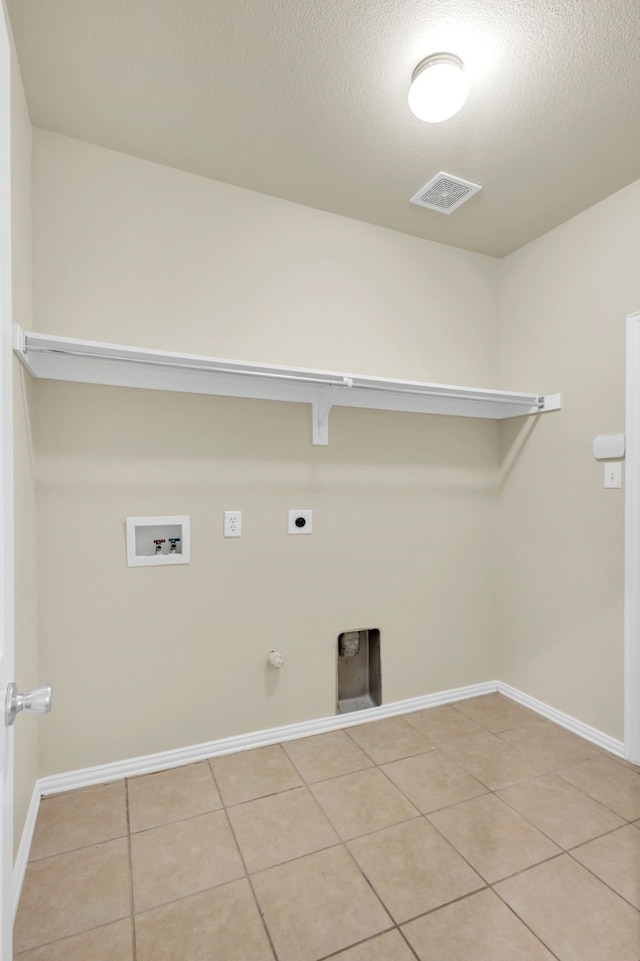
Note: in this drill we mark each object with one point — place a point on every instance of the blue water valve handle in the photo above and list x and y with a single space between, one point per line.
173 541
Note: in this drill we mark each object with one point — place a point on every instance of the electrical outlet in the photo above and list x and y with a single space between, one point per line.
233 523
300 522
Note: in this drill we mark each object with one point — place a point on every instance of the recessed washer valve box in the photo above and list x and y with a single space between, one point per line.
155 541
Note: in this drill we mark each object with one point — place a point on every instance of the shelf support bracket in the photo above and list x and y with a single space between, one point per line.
320 407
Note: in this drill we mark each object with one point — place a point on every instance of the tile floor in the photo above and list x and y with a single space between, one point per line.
468 832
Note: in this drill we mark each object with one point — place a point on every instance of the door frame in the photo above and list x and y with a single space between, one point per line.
6 495
7 884
632 544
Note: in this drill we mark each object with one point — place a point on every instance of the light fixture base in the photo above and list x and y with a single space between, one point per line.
438 88
436 58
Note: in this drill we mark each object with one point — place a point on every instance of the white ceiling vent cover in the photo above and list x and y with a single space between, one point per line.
445 193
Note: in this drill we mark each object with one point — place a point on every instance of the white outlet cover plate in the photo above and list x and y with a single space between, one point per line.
297 515
233 523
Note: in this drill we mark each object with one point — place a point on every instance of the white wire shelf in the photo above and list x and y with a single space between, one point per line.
92 362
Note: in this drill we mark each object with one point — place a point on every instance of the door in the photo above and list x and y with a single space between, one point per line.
6 500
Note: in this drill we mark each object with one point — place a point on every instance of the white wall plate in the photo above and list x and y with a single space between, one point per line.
300 522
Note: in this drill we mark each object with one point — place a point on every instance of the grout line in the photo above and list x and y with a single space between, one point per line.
83 847
473 720
335 777
362 873
530 867
70 937
559 774
408 943
534 718
454 848
213 778
446 904
588 797
369 940
250 882
601 880
605 834
523 922
403 719
260 797
241 856
298 857
181 820
188 895
133 914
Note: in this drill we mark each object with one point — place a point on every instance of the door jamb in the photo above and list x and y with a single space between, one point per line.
632 544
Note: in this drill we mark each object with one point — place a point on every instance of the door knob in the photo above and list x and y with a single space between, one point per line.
40 701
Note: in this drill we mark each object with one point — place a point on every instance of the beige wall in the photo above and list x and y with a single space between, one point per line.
26 672
564 299
150 659
404 506
141 254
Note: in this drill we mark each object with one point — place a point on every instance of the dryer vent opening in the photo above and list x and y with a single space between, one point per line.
358 670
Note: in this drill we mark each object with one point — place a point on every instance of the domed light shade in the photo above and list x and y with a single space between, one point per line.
438 87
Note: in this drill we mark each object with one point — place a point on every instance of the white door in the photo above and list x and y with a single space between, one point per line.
6 501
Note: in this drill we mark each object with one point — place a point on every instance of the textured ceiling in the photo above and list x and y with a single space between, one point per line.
307 100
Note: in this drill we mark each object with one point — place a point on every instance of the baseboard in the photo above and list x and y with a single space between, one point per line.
564 720
147 764
22 855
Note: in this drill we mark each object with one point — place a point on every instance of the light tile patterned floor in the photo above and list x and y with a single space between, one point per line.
468 832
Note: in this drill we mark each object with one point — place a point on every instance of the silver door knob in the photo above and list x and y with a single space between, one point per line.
40 701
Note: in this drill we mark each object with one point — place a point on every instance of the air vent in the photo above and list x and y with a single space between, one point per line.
445 193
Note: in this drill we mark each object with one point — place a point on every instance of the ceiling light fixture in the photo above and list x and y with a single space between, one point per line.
438 87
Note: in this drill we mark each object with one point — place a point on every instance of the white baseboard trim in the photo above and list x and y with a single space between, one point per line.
147 764
101 774
22 855
564 720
